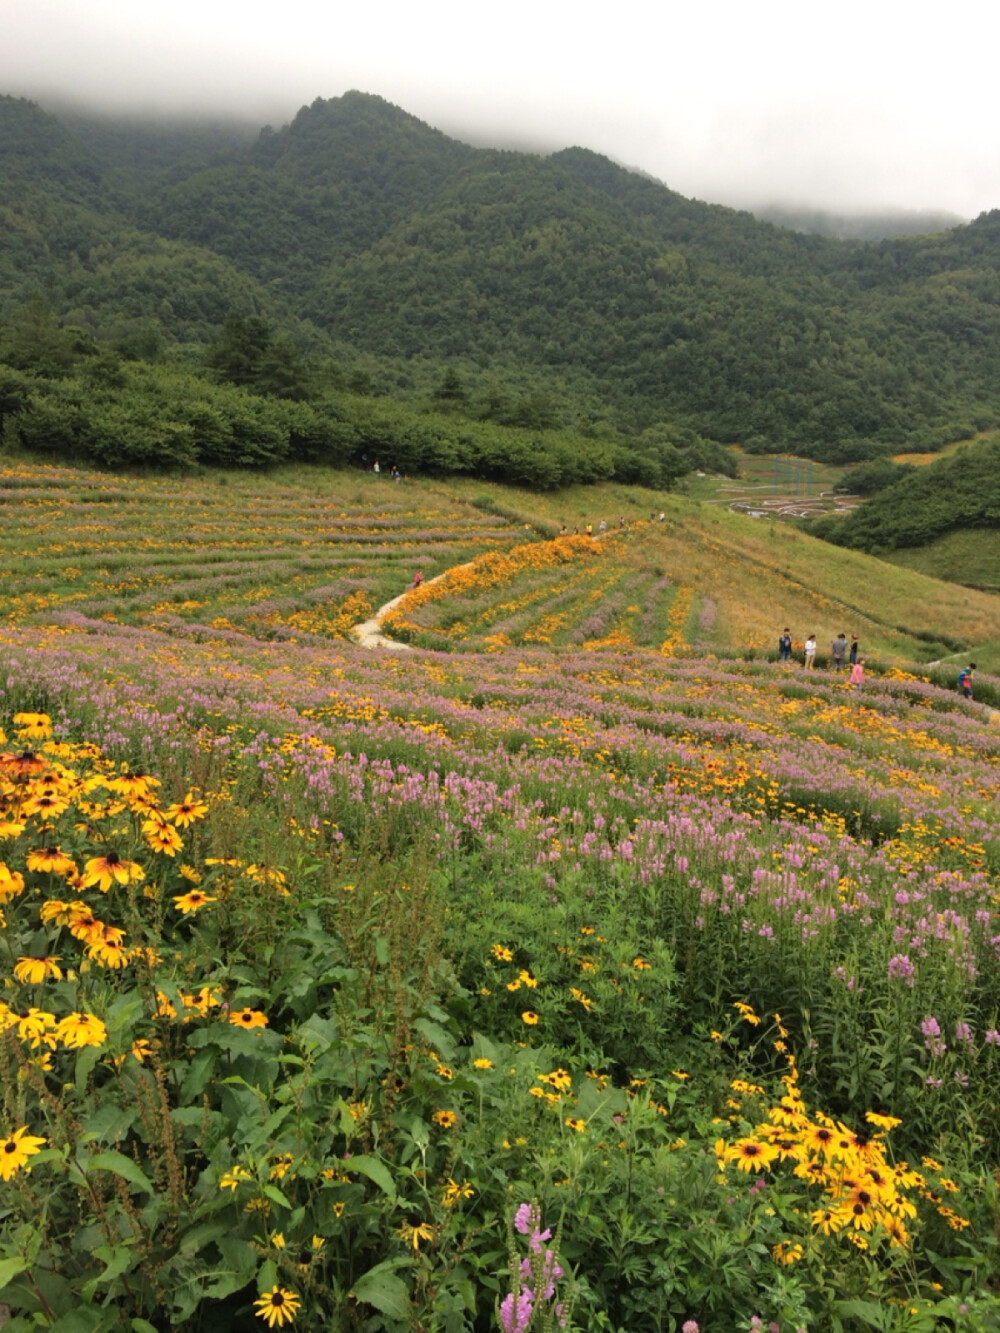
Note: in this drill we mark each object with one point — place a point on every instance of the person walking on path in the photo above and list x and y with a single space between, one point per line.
418 578
965 679
838 650
376 469
858 674
854 649
810 651
785 645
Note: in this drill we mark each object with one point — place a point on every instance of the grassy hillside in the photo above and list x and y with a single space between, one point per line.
970 556
308 552
340 982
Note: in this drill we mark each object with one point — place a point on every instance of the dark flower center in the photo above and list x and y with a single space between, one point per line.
112 859
10 1146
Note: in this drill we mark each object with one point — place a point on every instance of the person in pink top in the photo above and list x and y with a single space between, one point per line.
858 674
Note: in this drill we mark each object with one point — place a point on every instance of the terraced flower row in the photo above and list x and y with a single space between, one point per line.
285 560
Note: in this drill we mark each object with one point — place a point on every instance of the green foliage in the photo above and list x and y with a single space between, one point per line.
960 491
870 478
570 291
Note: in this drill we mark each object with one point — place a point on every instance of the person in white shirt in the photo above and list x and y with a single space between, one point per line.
810 651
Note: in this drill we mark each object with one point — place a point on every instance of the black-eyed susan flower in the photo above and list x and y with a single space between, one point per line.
750 1155
187 811
77 1030
33 726
50 861
192 901
232 1179
264 874
278 1306
133 786
248 1018
34 1026
826 1221
16 1149
482 1063
453 1192
45 805
501 953
23 765
530 1017
32 971
576 1124
446 1119
108 953
11 883
103 871
413 1231
820 1138
787 1252
162 837
885 1123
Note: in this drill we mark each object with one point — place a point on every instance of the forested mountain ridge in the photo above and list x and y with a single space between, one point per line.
360 228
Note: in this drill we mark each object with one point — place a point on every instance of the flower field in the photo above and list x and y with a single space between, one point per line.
569 977
286 559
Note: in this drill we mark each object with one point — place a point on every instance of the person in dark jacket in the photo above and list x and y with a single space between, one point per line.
785 645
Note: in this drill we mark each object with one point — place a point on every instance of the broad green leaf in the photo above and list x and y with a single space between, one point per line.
121 1165
436 1036
118 1259
9 1269
374 1170
383 1289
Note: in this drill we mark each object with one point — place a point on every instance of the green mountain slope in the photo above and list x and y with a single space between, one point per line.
407 247
952 494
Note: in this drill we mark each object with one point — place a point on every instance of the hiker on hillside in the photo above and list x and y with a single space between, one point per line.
858 674
418 578
965 679
810 651
838 650
854 650
376 469
785 645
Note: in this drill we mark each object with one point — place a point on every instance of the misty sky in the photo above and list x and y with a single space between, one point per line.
864 104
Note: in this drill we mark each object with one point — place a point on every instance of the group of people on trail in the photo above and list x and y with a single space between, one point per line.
840 652
589 529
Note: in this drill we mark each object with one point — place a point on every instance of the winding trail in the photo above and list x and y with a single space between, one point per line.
369 633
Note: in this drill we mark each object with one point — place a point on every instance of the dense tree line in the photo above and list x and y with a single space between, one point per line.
257 400
960 491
